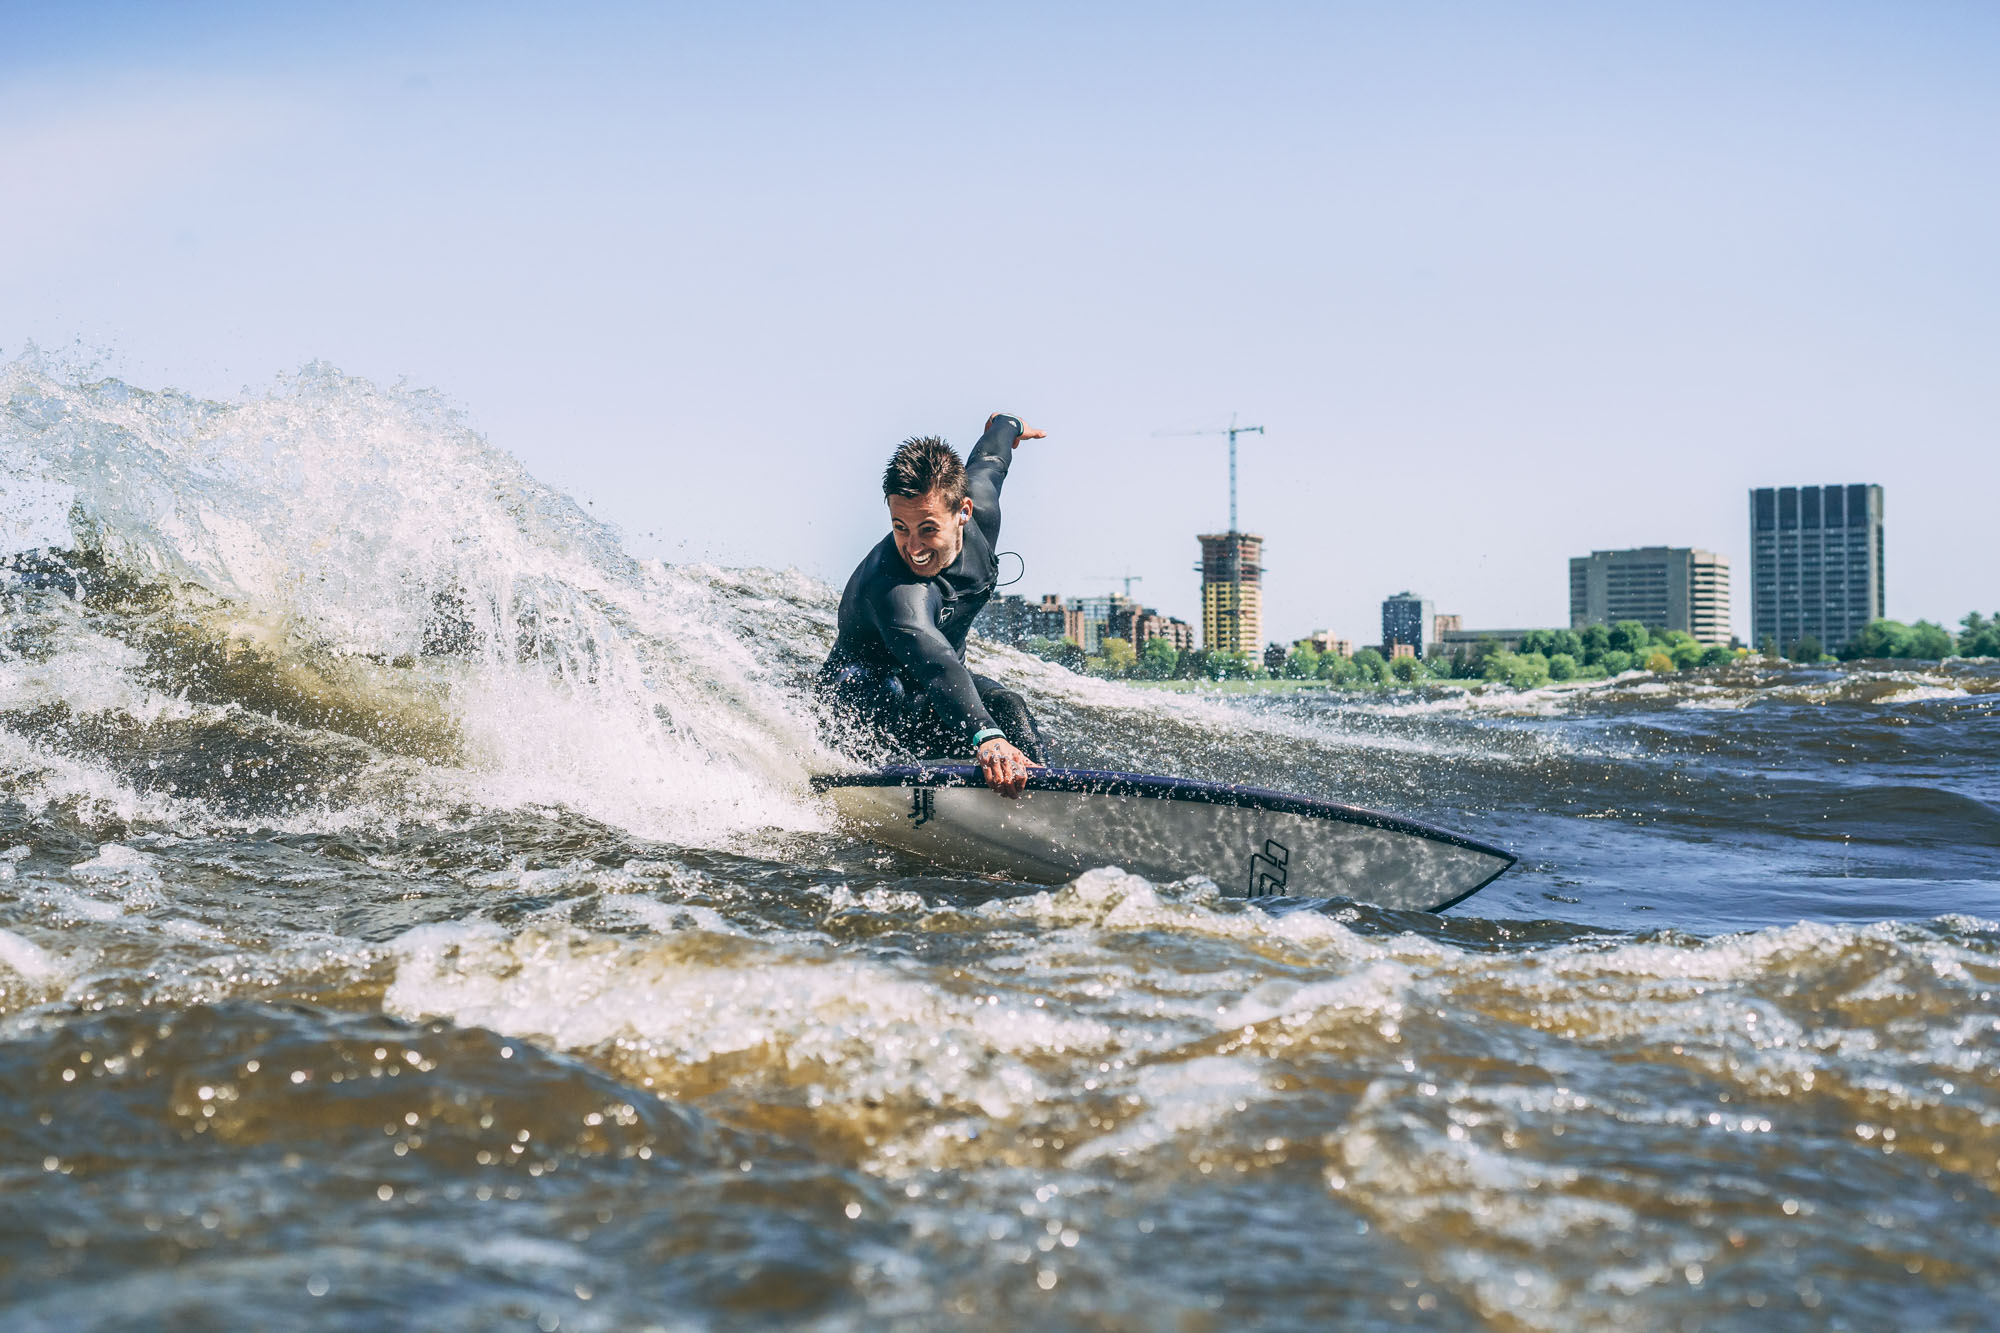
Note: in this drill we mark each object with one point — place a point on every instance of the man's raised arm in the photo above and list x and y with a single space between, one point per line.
986 467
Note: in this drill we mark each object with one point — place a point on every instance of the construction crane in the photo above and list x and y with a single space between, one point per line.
1232 431
1127 579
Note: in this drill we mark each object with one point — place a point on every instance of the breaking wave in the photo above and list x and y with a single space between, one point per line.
333 593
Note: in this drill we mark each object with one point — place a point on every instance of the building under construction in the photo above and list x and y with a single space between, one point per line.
1232 571
1232 592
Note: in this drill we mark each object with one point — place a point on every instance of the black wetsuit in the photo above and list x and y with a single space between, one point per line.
898 662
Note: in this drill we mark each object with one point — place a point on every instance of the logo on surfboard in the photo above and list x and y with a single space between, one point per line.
923 806
1267 869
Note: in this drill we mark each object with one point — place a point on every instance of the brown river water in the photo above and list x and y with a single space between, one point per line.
414 913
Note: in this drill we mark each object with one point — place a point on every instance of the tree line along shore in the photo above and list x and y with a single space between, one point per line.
1595 652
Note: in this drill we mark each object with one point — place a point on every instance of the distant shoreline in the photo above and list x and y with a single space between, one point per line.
1451 685
1280 686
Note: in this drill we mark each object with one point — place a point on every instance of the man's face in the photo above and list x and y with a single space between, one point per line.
929 531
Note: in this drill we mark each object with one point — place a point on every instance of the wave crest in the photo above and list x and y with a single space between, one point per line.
348 562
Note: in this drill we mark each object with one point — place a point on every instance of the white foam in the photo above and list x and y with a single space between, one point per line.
667 917
328 520
115 861
119 879
1720 703
1499 699
885 1031
181 928
85 908
1116 900
843 899
34 511
1181 1097
1376 990
40 778
28 960
1913 694
85 672
869 1031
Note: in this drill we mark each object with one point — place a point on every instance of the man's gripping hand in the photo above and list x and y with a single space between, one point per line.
1027 432
1004 767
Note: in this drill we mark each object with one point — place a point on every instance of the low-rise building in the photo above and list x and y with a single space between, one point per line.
1142 624
1507 640
1326 641
1661 587
1090 621
1014 620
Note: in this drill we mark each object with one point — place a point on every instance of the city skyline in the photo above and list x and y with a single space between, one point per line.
1501 288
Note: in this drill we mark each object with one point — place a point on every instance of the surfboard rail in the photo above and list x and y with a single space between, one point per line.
1152 787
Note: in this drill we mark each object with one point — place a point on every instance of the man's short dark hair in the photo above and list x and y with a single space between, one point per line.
925 463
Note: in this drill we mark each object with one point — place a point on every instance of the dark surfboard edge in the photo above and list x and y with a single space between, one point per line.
1107 783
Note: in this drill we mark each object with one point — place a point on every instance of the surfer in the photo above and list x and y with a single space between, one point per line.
898 661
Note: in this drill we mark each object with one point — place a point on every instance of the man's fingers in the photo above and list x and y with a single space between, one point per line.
1004 768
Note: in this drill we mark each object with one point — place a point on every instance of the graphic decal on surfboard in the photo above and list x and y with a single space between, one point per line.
1252 842
1267 869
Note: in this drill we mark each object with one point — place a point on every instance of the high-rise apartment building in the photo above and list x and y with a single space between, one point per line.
1661 587
1816 563
1232 593
1406 619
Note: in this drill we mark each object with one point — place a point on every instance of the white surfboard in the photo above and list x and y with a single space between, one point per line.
1252 842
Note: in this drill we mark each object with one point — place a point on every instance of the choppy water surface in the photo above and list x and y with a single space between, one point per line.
413 911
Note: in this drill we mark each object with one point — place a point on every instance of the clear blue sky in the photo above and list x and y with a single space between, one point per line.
1505 282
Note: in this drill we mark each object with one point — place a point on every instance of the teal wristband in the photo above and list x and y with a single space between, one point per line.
986 734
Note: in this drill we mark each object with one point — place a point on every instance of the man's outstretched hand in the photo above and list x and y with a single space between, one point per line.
1027 432
1004 767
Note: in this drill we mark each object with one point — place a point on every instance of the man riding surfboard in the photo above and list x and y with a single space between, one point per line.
898 660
